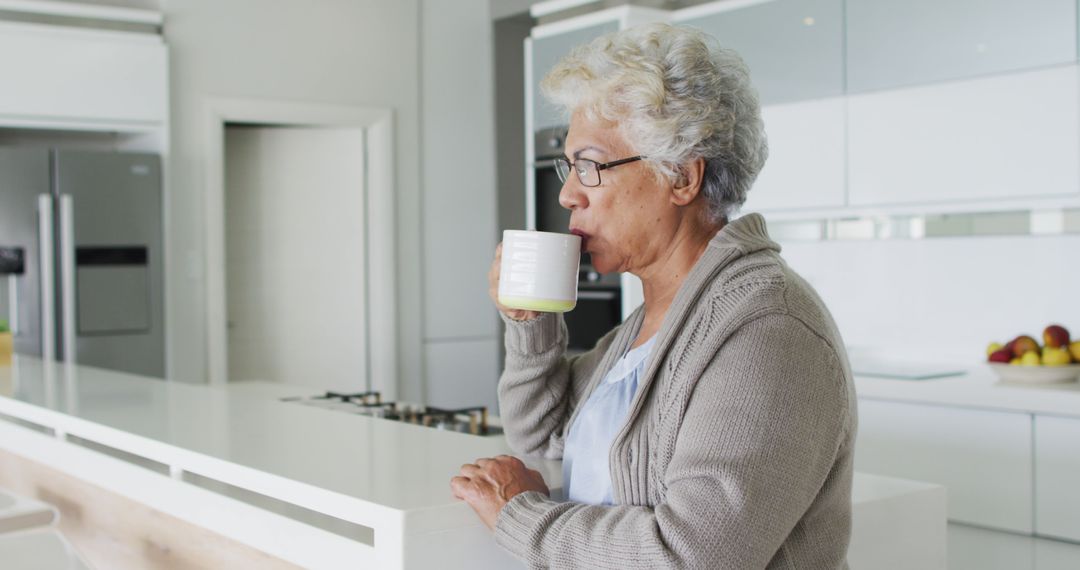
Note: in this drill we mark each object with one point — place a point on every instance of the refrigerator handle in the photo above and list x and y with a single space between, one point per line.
13 304
45 254
67 277
12 265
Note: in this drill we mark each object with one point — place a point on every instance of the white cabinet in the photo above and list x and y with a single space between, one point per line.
892 43
1011 137
983 458
82 78
794 48
1057 477
546 53
549 43
805 168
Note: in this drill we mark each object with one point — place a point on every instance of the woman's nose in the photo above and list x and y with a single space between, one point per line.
570 196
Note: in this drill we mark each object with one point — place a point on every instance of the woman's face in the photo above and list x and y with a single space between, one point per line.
620 220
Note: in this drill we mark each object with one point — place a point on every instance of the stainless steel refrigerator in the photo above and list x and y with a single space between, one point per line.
81 262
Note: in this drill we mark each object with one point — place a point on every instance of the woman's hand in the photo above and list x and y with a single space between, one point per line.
493 290
489 484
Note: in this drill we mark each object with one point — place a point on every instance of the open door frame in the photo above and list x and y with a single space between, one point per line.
377 123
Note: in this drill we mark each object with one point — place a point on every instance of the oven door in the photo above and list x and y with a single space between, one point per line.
598 311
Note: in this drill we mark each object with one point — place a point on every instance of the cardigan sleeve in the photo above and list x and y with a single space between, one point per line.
759 438
540 387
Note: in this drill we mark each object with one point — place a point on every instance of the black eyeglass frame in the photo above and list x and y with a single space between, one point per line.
570 166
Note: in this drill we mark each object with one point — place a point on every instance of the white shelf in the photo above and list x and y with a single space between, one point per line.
78 10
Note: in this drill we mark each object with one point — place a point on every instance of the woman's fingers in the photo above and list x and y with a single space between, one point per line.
469 469
493 290
460 486
493 275
510 459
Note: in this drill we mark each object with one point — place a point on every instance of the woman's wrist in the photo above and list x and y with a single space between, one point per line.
533 336
521 316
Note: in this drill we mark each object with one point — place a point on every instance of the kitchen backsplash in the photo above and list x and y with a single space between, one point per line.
946 298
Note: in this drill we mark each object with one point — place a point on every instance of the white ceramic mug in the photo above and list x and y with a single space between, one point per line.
539 271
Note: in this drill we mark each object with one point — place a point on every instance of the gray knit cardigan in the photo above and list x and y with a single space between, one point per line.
737 449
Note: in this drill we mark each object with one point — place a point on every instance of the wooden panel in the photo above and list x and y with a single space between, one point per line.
82 75
111 531
1057 477
984 459
1005 137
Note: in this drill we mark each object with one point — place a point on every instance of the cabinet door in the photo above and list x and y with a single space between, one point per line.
82 75
805 168
1004 137
1057 477
891 43
983 458
794 48
546 52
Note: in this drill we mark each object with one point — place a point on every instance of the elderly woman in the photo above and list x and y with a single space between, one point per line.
714 428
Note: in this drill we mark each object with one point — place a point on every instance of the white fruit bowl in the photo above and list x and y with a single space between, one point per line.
1036 374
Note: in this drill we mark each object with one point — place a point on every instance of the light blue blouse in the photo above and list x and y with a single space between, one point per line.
586 476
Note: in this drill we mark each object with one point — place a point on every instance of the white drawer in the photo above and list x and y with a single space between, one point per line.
983 458
1057 477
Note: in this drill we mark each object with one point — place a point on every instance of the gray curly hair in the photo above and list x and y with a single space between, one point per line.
676 96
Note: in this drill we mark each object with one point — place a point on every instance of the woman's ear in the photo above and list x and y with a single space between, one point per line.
688 184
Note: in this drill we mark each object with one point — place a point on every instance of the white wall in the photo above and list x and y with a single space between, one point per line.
429 60
357 52
943 299
461 347
294 317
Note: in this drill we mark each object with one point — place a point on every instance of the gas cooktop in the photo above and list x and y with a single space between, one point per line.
471 420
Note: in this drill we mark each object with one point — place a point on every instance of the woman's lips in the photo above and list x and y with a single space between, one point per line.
584 238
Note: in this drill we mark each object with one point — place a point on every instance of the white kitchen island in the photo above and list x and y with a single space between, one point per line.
325 489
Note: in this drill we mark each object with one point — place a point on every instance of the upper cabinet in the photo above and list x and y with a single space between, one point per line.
1012 137
892 43
874 107
805 168
794 48
551 42
546 52
64 77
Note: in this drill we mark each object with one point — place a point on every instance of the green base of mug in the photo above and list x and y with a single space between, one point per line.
541 305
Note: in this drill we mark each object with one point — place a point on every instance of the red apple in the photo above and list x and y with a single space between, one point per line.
1003 356
1055 336
1024 343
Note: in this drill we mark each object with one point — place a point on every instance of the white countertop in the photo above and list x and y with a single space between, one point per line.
978 388
389 475
391 464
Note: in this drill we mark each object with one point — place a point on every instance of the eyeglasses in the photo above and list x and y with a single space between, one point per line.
588 171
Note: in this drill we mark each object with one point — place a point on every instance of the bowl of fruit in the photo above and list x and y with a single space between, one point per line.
1022 359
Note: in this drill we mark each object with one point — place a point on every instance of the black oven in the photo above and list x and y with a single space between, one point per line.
599 305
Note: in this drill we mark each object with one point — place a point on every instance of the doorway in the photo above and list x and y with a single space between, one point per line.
300 248
295 263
